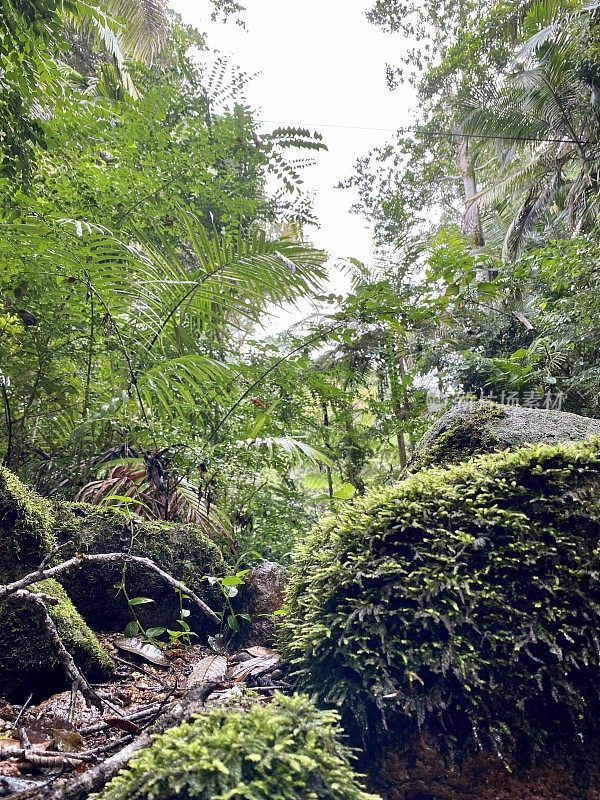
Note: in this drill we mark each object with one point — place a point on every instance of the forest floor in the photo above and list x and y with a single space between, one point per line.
61 737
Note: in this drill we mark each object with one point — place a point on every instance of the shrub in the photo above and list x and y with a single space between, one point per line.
287 750
464 602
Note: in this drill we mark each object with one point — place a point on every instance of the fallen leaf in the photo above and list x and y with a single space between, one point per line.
260 652
226 695
255 666
145 650
211 669
122 724
68 741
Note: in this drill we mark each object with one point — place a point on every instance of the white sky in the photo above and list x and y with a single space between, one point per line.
321 64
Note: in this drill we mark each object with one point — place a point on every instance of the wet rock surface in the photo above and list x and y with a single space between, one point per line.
264 595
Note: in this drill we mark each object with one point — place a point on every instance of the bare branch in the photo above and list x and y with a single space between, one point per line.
81 559
78 682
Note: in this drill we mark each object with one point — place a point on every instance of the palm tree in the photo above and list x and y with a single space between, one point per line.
546 116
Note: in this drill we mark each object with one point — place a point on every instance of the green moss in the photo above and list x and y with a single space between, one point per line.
25 527
181 549
465 601
467 435
288 750
27 659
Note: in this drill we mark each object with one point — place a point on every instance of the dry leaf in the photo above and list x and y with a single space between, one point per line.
122 724
143 649
211 669
260 652
255 666
226 695
68 741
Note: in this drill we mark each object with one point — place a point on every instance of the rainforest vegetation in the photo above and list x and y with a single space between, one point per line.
150 224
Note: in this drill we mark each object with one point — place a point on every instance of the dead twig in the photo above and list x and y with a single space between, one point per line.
46 758
65 659
96 777
137 716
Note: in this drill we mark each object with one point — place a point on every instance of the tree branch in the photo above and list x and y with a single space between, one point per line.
81 559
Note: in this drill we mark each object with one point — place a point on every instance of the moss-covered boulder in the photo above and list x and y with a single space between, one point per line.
464 603
287 750
26 521
483 427
183 550
28 662
27 659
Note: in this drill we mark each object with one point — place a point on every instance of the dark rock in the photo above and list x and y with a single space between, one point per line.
181 549
264 595
28 662
482 427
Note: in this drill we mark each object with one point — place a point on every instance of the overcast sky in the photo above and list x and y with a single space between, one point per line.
321 64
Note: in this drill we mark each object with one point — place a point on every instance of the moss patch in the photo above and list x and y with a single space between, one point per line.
464 602
458 436
27 659
288 750
183 550
26 521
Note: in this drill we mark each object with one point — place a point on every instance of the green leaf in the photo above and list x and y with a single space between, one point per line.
345 492
233 623
132 628
140 601
152 633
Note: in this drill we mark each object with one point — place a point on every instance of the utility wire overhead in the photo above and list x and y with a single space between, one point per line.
433 134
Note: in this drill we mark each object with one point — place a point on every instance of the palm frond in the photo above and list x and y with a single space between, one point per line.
105 29
145 27
129 478
294 448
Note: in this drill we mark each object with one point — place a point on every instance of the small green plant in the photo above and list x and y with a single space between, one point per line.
135 627
229 588
184 634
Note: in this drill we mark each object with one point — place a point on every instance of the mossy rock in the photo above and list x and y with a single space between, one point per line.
288 750
28 662
27 659
474 428
464 603
183 550
26 521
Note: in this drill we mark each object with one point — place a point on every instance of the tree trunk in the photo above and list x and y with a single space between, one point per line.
471 222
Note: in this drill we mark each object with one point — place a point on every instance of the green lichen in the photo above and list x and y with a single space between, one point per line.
474 428
28 661
183 550
288 750
464 602
26 521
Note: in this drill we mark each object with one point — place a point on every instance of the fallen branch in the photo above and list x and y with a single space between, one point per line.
81 559
80 787
138 716
65 659
46 758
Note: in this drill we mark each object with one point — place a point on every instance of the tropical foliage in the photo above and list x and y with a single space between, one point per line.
141 261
